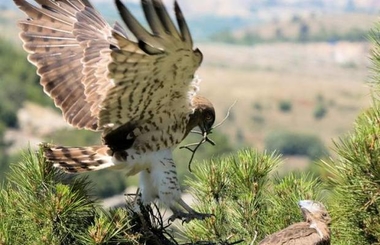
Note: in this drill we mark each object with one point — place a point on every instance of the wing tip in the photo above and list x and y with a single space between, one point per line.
185 32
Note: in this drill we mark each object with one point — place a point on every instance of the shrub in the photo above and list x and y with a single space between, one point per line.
320 111
289 143
285 105
257 106
258 119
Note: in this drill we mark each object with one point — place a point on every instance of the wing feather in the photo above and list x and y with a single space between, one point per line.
152 18
186 36
165 19
58 36
152 76
136 28
103 80
96 55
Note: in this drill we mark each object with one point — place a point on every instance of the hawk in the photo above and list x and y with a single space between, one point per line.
140 92
313 231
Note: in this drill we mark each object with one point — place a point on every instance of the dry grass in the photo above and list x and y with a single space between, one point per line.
263 76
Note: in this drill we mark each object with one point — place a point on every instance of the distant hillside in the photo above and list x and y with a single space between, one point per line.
211 17
308 28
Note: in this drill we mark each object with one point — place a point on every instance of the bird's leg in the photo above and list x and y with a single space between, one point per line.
186 217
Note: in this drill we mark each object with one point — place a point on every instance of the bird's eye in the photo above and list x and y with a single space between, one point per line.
208 117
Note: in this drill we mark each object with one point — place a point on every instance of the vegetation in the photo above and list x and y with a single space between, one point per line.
40 206
248 202
320 111
18 82
285 105
289 143
298 29
354 181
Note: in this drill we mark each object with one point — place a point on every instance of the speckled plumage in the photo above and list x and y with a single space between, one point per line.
141 94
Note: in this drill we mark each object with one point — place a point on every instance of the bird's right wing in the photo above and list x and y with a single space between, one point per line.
68 41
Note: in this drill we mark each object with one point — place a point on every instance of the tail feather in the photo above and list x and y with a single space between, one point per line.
78 159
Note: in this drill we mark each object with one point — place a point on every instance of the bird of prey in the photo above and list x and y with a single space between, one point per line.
140 92
314 230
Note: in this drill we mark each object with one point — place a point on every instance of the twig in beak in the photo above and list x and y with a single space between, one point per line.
227 115
204 139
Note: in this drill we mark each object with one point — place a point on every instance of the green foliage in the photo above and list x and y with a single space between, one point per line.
40 206
285 105
320 108
4 157
289 143
205 151
18 83
246 200
320 111
355 181
258 119
257 106
355 174
47 210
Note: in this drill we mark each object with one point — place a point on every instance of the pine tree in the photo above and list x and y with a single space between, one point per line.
247 198
40 205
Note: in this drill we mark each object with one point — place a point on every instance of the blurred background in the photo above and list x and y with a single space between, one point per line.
299 70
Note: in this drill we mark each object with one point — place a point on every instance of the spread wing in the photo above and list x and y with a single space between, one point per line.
296 234
103 80
69 43
153 76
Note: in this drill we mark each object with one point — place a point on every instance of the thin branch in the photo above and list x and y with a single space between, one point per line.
227 115
194 150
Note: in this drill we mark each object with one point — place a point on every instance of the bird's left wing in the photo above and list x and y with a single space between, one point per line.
153 76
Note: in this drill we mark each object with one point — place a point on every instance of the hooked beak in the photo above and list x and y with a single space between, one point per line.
206 130
206 127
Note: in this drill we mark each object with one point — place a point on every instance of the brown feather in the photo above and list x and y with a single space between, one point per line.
78 159
313 231
57 36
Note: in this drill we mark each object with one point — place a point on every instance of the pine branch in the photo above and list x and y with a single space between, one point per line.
42 205
248 201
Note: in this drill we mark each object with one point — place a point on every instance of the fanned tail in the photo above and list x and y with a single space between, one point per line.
78 159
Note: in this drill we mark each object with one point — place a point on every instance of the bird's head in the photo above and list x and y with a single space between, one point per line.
203 116
313 210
